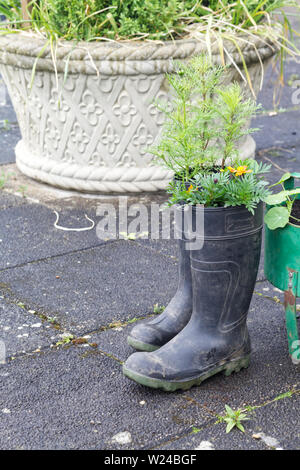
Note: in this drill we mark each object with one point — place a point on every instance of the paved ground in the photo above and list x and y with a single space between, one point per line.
72 288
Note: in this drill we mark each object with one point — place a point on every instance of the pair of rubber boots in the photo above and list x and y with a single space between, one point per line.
203 330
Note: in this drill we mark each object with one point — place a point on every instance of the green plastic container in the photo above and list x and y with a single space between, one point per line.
282 269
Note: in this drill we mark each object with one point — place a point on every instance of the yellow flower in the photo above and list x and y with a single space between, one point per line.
232 170
190 188
241 170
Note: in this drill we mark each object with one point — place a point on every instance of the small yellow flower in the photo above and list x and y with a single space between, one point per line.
241 170
232 170
190 188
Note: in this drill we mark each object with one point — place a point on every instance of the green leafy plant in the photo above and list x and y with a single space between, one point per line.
3 179
280 215
22 190
155 19
200 135
66 339
205 120
234 418
157 309
238 186
195 430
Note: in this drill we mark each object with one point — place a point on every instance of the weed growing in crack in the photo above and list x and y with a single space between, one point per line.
233 418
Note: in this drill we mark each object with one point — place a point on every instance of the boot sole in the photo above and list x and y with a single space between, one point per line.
170 386
140 346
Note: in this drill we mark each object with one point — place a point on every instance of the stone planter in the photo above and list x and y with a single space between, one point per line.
96 139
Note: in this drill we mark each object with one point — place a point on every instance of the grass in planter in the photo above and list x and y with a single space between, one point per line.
214 22
155 19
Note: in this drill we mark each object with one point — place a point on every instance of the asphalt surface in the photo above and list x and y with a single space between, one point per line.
68 300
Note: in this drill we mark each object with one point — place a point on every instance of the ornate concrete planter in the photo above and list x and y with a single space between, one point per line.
96 140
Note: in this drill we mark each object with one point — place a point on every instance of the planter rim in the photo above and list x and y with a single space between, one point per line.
225 223
294 225
127 57
215 209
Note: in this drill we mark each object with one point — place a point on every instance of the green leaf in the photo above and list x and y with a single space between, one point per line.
285 177
230 411
274 199
243 417
240 426
195 430
278 198
230 426
253 165
293 191
277 217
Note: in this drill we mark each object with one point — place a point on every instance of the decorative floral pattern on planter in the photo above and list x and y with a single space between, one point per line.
142 139
102 121
79 138
59 106
110 138
126 161
155 112
35 105
124 108
90 108
52 137
96 159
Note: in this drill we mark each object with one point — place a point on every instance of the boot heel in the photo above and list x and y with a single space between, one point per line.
237 365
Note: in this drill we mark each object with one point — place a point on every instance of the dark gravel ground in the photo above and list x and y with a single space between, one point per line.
58 286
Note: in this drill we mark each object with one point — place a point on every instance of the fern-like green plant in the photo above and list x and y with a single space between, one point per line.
242 185
205 119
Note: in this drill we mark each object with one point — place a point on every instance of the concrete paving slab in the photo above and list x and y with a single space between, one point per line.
68 399
11 200
8 118
289 97
9 137
282 160
22 331
281 130
214 437
7 112
166 247
94 287
271 371
27 233
268 291
279 423
114 341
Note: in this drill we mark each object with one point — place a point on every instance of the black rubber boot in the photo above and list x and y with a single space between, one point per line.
152 334
216 338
